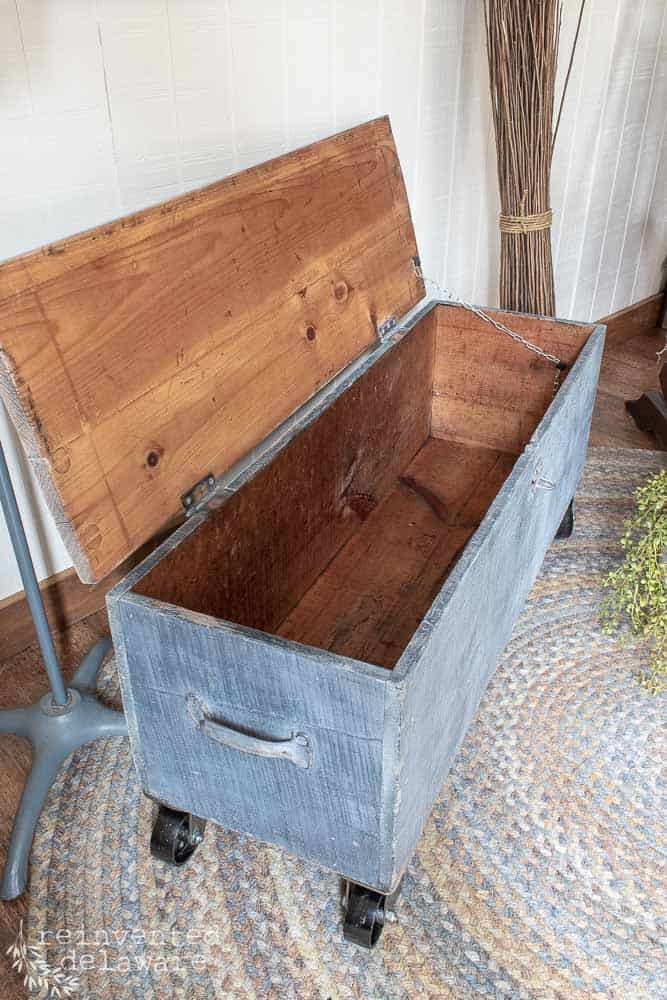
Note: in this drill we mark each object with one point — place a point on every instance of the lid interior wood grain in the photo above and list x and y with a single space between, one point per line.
141 355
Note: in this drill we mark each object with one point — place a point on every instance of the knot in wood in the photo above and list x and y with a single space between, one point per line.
341 291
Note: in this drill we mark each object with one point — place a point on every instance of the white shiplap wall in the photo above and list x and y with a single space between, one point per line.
107 106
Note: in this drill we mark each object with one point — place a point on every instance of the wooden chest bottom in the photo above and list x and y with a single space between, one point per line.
370 599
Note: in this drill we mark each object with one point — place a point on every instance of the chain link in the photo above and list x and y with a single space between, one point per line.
450 297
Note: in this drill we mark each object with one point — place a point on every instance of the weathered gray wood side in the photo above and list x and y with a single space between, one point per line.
331 811
449 662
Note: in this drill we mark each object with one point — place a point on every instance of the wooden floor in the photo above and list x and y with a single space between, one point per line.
628 369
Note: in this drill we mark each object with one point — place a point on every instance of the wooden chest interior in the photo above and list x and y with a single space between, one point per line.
344 539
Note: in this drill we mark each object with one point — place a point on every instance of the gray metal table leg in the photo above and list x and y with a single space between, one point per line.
14 720
58 723
54 731
42 774
87 671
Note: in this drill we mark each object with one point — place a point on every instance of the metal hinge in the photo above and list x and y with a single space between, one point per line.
387 327
199 491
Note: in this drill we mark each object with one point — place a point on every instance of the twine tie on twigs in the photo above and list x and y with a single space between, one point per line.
525 223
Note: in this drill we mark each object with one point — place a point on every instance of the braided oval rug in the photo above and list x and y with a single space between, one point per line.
541 872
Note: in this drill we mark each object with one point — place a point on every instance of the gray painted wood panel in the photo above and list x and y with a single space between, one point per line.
454 652
331 812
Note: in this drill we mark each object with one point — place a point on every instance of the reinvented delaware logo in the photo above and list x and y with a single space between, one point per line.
38 976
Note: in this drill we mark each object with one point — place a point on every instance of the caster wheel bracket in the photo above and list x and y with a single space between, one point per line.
366 912
176 835
566 526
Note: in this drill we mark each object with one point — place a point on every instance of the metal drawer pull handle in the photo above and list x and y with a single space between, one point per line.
295 750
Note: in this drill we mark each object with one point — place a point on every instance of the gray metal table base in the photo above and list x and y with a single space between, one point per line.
62 720
54 731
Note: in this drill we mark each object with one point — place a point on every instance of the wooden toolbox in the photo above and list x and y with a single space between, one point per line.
365 498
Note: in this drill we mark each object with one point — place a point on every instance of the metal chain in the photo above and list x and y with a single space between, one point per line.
445 293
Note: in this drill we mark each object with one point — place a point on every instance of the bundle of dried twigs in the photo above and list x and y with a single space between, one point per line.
522 44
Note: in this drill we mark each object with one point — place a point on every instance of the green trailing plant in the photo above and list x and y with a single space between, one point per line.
636 592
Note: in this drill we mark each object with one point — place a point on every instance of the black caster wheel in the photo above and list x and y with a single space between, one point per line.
567 524
176 836
366 913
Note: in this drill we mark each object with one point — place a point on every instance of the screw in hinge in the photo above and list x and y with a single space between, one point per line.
198 492
417 266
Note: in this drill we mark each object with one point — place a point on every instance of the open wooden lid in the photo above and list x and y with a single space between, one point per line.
137 357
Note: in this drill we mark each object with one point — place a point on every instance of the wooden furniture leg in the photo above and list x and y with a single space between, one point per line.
649 412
